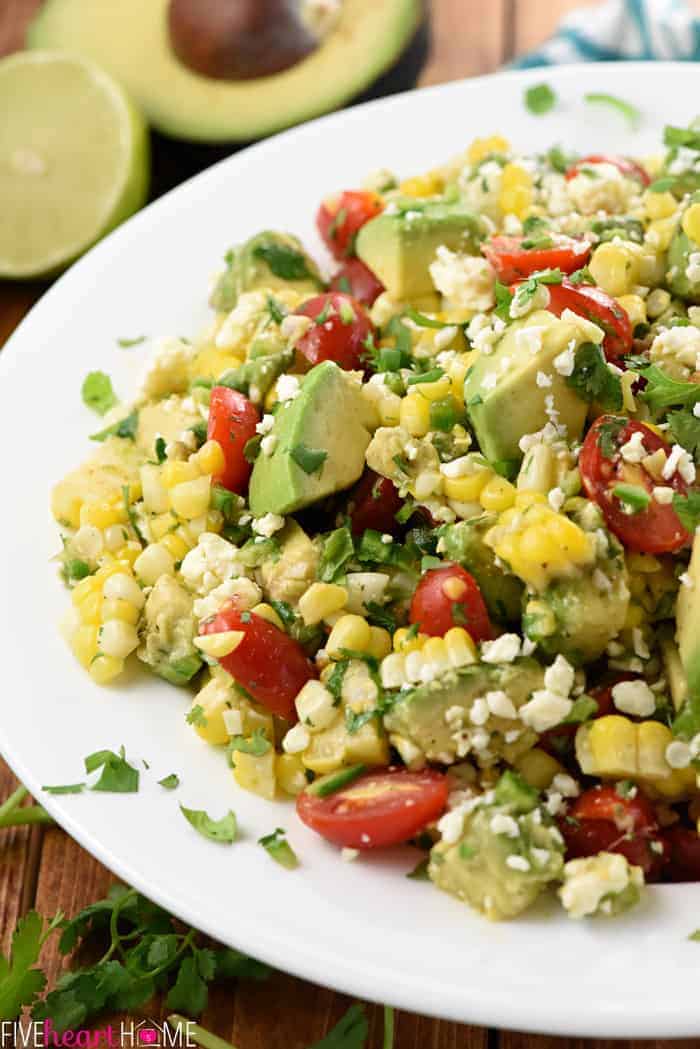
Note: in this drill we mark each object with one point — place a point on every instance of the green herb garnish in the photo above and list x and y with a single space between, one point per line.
98 393
593 380
117 776
223 831
279 849
540 98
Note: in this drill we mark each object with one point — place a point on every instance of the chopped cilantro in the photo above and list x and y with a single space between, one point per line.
430 376
347 313
695 936
467 851
251 449
338 548
593 380
582 276
378 615
74 569
536 243
257 745
425 322
284 261
607 435
688 509
170 782
662 391
539 99
159 448
325 313
125 428
276 309
223 830
98 393
117 775
630 112
334 684
684 428
558 159
682 136
662 185
195 716
279 849
285 612
504 297
20 982
310 460
66 788
420 871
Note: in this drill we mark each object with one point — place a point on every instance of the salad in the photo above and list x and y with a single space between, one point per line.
416 541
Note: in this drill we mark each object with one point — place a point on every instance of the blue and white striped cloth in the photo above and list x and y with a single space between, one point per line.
621 30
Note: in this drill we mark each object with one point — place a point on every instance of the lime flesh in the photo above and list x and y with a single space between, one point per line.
74 160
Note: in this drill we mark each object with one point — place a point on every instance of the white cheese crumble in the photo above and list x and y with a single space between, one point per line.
268 444
588 881
518 863
633 450
500 705
209 563
559 677
294 326
466 281
679 461
265 424
543 380
247 594
502 824
564 362
634 697
504 649
605 189
529 339
287 387
663 494
545 710
678 754
169 369
296 740
268 524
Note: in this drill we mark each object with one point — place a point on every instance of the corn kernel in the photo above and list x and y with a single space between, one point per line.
434 391
162 524
219 645
457 372
657 301
85 588
104 669
403 643
118 638
645 563
662 231
290 773
691 222
210 458
635 307
635 616
128 553
414 415
498 494
267 612
256 773
190 498
613 743
350 632
393 670
321 600
427 185
90 609
379 642
177 472
211 362
389 408
652 740
466 489
434 656
117 608
526 498
123 586
315 706
155 496
83 644
154 562
515 195
659 205
101 515
460 647
614 268
481 147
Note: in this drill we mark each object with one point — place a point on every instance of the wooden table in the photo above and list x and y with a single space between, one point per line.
46 869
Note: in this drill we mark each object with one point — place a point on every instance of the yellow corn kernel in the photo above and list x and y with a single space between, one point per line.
405 644
460 647
379 642
104 669
481 147
175 545
526 498
350 632
190 498
177 472
466 489
627 381
210 458
290 773
538 768
115 567
389 408
652 740
90 585
256 773
635 307
434 391
498 494
414 414
321 600
680 783
102 515
129 552
162 524
614 268
572 540
659 205
118 608
613 743
691 222
434 654
211 362
152 563
515 195
427 185
267 612
219 645
662 231
90 609
538 547
83 644
457 372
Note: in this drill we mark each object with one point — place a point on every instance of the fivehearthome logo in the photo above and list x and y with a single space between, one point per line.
145 1034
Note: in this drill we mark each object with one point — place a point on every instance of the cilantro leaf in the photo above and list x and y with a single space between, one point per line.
20 982
98 393
349 1033
695 936
170 782
189 993
420 871
126 342
125 428
425 322
504 297
684 428
224 830
338 548
540 99
662 391
608 433
284 261
682 136
276 309
117 776
378 615
257 744
688 509
309 459
630 112
279 849
593 380
195 716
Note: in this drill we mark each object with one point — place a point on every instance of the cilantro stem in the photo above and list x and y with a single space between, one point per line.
15 799
16 817
115 936
202 1037
388 1042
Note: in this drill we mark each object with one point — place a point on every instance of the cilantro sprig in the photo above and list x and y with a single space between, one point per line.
20 981
664 392
593 380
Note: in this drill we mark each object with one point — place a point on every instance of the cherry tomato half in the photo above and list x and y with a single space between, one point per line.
512 261
268 663
601 820
378 809
623 164
356 279
339 218
339 332
592 303
372 503
232 422
684 854
449 596
654 530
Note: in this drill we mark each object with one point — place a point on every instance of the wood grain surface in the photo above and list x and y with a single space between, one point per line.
46 869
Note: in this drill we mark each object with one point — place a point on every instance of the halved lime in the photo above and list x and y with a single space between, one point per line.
74 160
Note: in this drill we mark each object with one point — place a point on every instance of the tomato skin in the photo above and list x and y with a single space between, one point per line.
357 207
377 810
334 339
232 422
512 262
433 609
374 500
356 279
623 164
592 303
655 530
268 663
603 821
684 854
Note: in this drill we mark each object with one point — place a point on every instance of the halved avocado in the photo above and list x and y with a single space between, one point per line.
130 39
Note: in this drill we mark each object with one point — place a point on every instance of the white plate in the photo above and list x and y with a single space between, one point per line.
359 927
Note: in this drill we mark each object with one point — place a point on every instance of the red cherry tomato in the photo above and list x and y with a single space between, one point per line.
623 164
512 261
356 279
684 854
232 422
655 530
339 218
592 303
372 503
447 597
339 332
603 821
268 663
378 809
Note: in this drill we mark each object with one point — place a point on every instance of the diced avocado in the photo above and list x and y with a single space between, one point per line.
578 616
260 371
293 572
320 444
435 717
502 395
515 794
399 245
507 854
679 252
170 627
688 622
267 260
463 542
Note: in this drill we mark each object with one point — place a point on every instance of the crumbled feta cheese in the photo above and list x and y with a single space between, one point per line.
606 189
268 444
169 369
479 713
529 339
663 494
209 563
504 649
559 677
589 882
466 281
679 460
543 380
265 424
523 302
465 466
268 524
565 785
692 270
682 343
696 410
489 381
233 722
564 362
294 326
685 579
545 710
247 594
500 705
640 646
502 824
633 451
241 324
518 863
634 697
451 824
287 387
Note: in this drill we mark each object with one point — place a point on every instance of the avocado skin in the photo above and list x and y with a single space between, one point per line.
463 542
